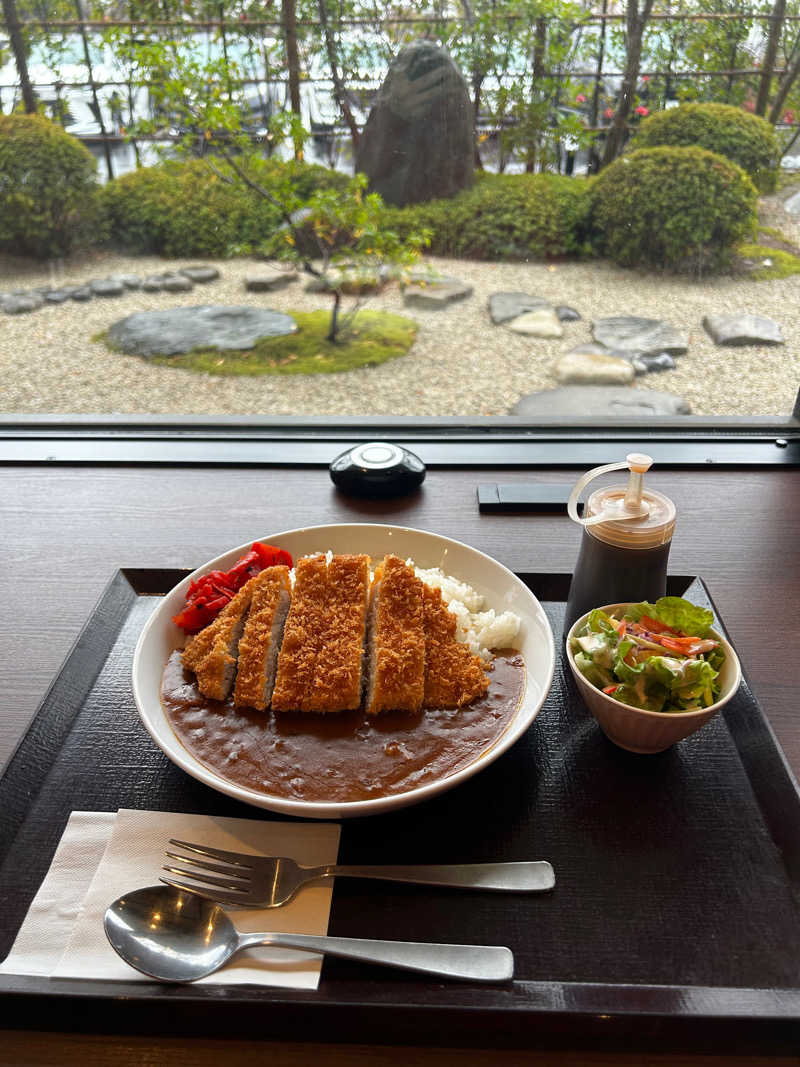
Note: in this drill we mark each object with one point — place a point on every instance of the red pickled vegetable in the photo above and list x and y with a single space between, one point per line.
210 593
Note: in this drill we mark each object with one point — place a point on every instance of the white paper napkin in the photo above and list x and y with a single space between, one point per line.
51 917
133 858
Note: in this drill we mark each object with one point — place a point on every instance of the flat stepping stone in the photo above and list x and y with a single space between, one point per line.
599 400
269 281
200 274
635 334
177 330
154 283
20 305
440 292
743 329
81 294
592 368
541 322
506 306
567 314
176 283
56 296
130 281
650 363
106 287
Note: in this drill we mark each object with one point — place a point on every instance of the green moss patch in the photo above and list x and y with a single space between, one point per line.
782 264
372 338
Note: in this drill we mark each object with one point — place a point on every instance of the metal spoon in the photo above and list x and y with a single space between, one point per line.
180 937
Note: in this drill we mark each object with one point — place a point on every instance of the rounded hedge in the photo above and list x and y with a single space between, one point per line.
674 208
48 190
746 139
186 209
504 216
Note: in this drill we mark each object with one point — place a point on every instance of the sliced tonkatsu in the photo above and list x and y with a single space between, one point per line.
338 681
212 653
396 674
453 675
261 640
321 662
303 625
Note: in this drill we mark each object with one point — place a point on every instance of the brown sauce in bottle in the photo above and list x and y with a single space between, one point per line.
345 756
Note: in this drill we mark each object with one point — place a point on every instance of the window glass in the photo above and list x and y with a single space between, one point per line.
539 208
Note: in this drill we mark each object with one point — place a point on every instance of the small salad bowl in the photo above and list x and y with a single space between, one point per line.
648 732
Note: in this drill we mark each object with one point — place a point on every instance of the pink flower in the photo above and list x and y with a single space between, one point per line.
642 111
609 112
749 105
580 99
788 116
645 77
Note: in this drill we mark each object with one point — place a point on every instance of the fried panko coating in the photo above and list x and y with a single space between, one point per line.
337 681
261 640
453 675
397 653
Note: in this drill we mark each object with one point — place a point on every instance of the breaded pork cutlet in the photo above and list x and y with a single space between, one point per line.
212 653
453 675
396 640
301 634
320 667
338 679
261 640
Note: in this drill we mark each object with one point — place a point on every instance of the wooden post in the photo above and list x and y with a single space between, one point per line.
289 19
770 52
18 48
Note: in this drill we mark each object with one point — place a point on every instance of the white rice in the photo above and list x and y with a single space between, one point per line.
480 628
477 626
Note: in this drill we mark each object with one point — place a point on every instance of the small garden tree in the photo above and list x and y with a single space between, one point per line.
337 235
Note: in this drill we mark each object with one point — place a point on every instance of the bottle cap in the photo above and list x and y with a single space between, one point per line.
628 516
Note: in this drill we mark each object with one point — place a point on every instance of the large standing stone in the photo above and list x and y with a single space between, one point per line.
541 322
417 144
743 329
792 205
635 334
167 333
506 306
592 369
598 400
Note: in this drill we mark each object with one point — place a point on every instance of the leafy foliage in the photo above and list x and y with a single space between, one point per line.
508 216
729 131
675 208
48 192
187 209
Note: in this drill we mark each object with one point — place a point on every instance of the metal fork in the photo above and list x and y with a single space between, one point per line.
268 882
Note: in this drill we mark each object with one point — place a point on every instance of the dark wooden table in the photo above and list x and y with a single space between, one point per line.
66 530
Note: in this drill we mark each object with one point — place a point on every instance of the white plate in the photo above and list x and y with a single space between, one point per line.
503 592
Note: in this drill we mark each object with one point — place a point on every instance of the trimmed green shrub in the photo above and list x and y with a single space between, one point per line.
185 209
48 191
675 208
729 131
504 216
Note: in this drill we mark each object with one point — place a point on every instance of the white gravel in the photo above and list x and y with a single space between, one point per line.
460 364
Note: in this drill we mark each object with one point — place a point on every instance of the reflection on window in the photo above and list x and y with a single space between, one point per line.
542 208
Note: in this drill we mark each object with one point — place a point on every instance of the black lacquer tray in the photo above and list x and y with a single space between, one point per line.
674 924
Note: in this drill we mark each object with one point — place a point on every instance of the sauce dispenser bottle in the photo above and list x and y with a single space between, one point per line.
627 531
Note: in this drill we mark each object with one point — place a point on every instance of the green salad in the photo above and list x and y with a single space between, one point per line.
657 657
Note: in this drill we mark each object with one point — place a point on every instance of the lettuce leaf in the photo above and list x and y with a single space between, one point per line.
675 612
